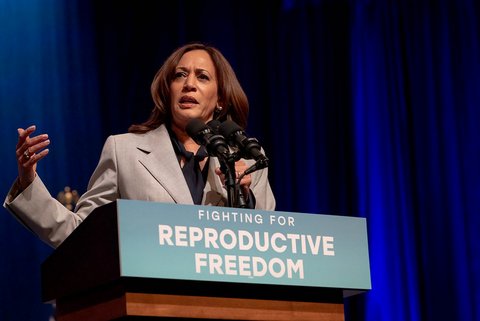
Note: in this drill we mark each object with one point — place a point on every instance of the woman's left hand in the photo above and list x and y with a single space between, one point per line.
240 167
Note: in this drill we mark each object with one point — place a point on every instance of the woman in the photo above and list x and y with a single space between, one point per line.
155 161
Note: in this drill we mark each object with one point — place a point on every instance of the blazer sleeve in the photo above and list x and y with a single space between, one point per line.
42 214
260 187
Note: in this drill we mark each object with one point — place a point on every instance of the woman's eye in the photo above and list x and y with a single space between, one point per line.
203 77
180 74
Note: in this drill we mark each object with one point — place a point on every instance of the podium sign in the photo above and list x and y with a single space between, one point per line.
136 258
186 242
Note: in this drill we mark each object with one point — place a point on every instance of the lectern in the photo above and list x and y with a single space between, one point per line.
135 260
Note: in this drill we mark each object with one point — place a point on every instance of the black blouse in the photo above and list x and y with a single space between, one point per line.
194 176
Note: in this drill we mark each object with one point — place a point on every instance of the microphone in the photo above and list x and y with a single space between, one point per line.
203 135
214 125
249 146
229 169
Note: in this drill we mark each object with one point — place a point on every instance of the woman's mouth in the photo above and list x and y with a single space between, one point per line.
187 101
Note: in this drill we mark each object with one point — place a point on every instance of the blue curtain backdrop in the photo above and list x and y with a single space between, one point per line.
366 108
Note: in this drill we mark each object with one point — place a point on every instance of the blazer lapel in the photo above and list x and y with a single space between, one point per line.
160 160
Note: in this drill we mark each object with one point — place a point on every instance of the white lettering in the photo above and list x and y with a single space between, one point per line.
282 220
230 265
266 244
248 266
195 234
244 266
328 246
165 234
314 247
304 244
280 264
293 238
245 240
226 216
291 221
215 262
295 267
233 239
211 236
200 260
275 247
256 261
181 236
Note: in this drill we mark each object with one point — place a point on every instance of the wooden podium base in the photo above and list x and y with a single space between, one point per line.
164 306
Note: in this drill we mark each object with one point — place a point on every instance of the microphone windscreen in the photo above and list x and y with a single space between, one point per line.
214 124
195 126
229 127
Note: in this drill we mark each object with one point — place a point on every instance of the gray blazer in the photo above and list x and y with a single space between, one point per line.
131 166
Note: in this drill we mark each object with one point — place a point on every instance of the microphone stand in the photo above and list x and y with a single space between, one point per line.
216 145
228 168
235 197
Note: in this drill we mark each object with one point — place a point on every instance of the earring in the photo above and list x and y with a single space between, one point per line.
218 108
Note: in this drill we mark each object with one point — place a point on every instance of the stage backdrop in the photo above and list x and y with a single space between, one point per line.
365 108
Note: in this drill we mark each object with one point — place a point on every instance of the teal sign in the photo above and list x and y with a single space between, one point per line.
188 242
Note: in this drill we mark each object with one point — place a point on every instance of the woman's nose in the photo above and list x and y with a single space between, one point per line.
189 83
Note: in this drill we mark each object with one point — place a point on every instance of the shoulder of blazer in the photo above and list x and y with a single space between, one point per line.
146 141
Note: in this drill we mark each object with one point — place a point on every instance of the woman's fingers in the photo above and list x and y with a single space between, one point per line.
29 151
23 135
37 143
34 158
27 146
240 168
246 180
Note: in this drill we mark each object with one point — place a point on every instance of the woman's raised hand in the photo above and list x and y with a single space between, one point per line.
29 151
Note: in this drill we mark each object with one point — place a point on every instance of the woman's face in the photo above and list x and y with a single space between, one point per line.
193 89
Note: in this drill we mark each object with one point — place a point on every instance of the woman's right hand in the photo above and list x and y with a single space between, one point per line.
29 151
